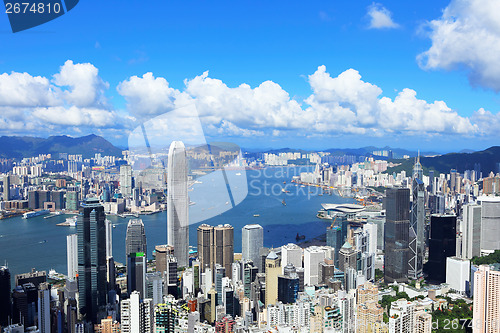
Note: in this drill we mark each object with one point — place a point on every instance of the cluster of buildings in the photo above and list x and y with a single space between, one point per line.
421 241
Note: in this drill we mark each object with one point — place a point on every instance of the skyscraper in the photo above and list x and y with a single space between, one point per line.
178 203
109 238
4 295
486 315
396 235
273 270
490 219
126 180
135 240
44 308
92 281
136 273
216 246
137 315
417 220
72 255
6 188
470 230
252 241
162 252
442 244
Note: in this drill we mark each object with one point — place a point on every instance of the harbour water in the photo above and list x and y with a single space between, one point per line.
40 243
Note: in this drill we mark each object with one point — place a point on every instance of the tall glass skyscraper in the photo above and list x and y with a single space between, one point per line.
417 220
92 280
252 241
4 296
178 203
396 235
135 240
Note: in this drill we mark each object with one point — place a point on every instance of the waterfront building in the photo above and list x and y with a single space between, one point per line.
396 235
92 280
442 244
6 188
178 203
252 240
109 238
72 202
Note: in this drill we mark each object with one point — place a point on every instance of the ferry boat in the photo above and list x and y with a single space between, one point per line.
37 213
71 221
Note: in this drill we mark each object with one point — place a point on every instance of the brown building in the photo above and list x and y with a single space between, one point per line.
216 246
162 253
107 326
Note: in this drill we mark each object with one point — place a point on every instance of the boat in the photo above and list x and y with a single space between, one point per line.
283 202
256 215
238 174
72 221
37 213
284 191
300 237
284 182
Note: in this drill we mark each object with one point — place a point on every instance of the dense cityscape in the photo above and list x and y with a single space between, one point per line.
407 252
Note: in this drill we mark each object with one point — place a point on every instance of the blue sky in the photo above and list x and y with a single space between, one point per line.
372 52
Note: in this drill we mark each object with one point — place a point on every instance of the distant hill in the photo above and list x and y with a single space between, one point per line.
27 146
487 160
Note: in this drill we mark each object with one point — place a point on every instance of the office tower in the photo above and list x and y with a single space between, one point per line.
178 203
291 254
229 300
490 220
111 274
423 322
165 317
137 314
347 257
5 311
220 272
249 274
453 180
154 287
170 276
126 180
72 202
273 269
334 238
107 325
252 240
92 280
288 288
326 271
71 315
396 235
6 188
72 255
161 254
470 230
135 240
136 273
458 274
33 200
211 314
486 315
216 246
313 255
24 304
58 198
109 238
44 308
417 221
442 244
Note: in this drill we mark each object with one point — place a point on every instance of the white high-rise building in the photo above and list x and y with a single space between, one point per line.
126 180
490 220
470 230
252 240
137 315
291 254
178 203
457 273
109 238
313 255
402 317
486 312
72 255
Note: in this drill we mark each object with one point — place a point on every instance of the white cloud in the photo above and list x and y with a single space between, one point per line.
148 96
22 89
380 17
75 116
467 36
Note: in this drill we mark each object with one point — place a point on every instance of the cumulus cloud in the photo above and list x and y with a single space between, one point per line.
380 17
467 37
